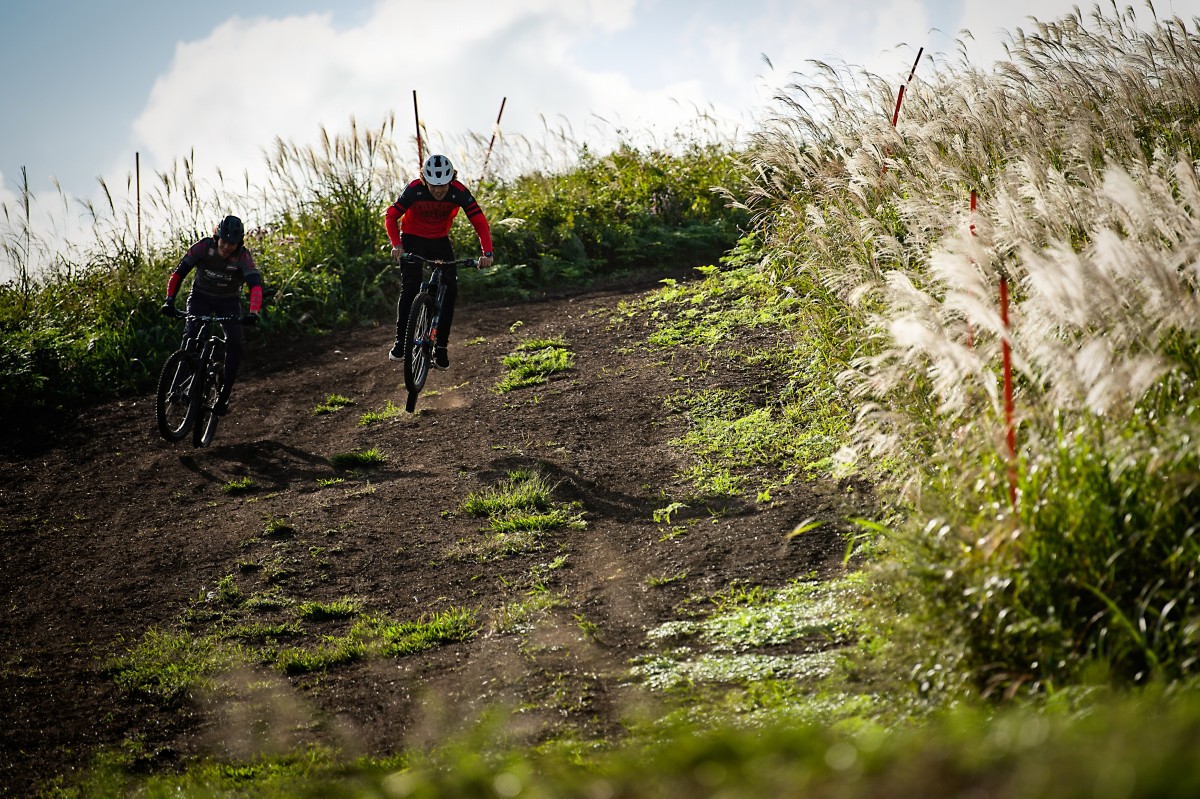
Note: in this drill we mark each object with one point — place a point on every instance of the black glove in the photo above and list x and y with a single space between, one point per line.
250 319
168 309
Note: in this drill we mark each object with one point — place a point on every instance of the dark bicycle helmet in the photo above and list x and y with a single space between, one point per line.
438 171
231 230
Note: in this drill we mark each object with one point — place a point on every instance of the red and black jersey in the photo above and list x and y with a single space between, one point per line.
217 276
417 212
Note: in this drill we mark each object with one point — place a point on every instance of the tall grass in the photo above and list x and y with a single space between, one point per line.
83 324
1082 150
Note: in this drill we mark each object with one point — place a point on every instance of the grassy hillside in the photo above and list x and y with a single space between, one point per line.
88 328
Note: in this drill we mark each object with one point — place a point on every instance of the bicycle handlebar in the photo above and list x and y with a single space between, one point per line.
210 318
413 257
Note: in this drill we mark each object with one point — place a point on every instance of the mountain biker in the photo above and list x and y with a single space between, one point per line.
223 265
419 223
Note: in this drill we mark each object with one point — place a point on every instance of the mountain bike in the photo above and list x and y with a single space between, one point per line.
190 383
420 334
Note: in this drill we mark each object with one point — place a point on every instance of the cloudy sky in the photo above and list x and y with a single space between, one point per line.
101 81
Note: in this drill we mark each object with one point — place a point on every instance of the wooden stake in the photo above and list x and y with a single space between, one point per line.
417 120
137 171
493 141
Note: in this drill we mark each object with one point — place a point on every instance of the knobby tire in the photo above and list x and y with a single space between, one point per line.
418 348
177 405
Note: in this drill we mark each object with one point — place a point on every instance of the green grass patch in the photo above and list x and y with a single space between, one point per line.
240 485
519 511
721 651
278 527
533 361
1124 746
332 403
521 491
167 666
518 616
390 411
377 636
267 602
259 633
740 441
729 441
324 611
667 579
371 458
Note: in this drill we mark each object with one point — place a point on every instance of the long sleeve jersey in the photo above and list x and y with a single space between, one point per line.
417 212
217 276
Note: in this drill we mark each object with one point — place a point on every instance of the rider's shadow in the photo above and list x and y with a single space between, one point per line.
275 465
606 501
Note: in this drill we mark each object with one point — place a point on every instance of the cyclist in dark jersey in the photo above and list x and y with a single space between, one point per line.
223 265
419 222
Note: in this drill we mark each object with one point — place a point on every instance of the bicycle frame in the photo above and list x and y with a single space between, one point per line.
425 313
427 286
192 379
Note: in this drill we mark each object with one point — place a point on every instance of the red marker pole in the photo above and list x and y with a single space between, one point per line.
1006 350
1008 394
900 94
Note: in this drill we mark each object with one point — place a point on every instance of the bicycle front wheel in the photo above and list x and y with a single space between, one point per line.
418 343
206 419
176 409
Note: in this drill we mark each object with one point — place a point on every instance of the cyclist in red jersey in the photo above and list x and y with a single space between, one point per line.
223 265
419 222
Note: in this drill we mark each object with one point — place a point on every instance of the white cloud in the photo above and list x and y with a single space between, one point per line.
232 93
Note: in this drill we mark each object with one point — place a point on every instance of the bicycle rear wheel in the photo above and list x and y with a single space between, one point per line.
418 344
176 408
206 419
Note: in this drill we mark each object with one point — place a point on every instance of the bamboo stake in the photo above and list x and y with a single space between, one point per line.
493 141
137 171
417 121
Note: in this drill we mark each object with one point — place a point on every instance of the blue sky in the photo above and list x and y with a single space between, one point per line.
102 81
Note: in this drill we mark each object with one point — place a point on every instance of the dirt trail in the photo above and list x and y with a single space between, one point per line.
108 532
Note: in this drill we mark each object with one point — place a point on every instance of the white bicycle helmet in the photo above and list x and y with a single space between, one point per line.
438 171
